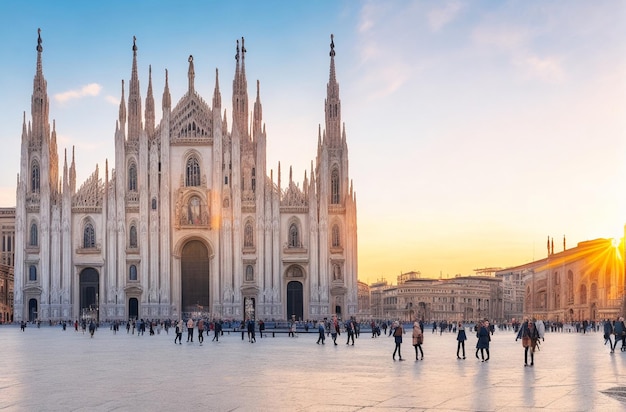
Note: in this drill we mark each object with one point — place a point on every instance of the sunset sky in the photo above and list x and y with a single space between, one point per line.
475 129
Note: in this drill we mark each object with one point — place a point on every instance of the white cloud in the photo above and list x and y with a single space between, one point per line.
112 99
440 17
92 89
516 44
547 69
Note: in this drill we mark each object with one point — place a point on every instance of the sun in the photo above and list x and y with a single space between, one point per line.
618 237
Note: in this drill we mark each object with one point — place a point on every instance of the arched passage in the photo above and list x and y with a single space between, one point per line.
32 310
89 287
194 269
133 308
295 302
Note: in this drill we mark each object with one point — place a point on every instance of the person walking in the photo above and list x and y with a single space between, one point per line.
322 332
250 327
608 331
200 330
530 336
92 328
261 328
418 339
483 340
179 332
350 329
619 330
190 326
334 329
397 337
217 328
461 337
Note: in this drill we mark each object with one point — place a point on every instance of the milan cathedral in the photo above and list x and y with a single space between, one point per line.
188 219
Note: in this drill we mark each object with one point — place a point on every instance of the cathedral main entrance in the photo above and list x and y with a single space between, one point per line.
194 268
89 286
295 302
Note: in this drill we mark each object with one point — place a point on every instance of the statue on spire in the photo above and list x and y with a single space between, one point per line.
332 45
237 55
243 49
134 44
39 48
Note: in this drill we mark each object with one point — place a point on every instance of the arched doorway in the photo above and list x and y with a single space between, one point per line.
194 268
133 308
295 302
89 287
32 310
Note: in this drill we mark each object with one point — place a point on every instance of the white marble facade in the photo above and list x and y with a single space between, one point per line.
188 218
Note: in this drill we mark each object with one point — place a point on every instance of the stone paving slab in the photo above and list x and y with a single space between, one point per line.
47 369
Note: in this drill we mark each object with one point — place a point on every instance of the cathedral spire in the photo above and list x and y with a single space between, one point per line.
122 111
73 173
217 96
39 100
134 99
191 74
240 91
258 111
333 104
150 116
166 102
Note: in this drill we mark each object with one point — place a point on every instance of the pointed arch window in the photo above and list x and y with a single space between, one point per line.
32 273
132 177
192 172
34 177
248 235
34 241
89 236
249 273
334 187
336 240
294 236
133 237
253 179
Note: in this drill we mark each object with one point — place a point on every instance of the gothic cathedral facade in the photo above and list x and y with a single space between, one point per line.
188 221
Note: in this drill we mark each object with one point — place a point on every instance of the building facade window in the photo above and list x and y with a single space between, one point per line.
192 172
132 178
336 240
89 236
32 273
132 272
248 237
34 241
249 273
34 177
334 187
133 237
294 236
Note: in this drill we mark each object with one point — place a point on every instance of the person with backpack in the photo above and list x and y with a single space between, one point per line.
418 339
397 337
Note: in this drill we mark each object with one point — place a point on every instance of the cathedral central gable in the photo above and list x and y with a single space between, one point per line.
191 121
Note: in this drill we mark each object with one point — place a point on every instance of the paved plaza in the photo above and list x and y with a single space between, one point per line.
48 369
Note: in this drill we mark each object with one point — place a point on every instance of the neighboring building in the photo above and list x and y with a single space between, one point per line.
7 232
6 293
377 296
513 292
462 298
364 311
585 282
189 219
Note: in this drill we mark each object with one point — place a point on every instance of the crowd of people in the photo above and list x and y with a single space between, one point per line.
530 332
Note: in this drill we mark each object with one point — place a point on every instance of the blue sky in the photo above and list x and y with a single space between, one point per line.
475 129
